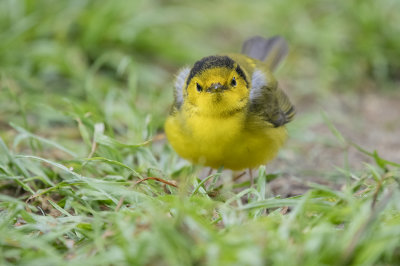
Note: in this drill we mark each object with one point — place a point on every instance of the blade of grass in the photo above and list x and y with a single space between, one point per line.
41 139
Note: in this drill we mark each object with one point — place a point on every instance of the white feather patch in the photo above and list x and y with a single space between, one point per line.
180 84
258 81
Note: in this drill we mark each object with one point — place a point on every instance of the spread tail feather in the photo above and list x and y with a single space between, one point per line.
272 51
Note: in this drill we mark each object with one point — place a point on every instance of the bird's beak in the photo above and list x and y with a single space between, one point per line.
216 87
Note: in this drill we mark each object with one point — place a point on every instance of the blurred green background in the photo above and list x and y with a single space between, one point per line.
68 66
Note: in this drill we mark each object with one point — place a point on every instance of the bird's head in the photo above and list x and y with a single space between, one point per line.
216 85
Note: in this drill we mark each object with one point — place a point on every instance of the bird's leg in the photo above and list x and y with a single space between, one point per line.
251 177
238 176
210 172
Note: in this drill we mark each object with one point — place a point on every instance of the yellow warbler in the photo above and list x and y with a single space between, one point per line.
229 110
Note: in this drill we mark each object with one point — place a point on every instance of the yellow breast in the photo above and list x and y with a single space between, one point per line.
234 142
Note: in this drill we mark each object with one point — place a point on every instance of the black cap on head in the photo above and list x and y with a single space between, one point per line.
214 62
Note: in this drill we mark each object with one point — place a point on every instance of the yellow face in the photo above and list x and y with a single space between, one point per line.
217 91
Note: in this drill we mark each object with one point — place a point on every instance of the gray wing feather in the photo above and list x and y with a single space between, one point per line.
180 82
272 51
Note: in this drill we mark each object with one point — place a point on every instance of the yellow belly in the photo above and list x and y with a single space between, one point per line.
229 142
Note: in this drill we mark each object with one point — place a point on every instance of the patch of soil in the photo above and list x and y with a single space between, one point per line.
371 120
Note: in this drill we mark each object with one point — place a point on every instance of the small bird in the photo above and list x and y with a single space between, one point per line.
229 110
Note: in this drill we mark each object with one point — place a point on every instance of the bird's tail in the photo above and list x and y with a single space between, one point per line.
272 50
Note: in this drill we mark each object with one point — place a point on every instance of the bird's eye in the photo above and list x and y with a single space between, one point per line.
198 87
233 82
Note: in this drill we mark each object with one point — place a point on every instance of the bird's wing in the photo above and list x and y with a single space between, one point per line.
268 101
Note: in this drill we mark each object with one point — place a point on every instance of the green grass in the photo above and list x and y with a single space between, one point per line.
84 86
